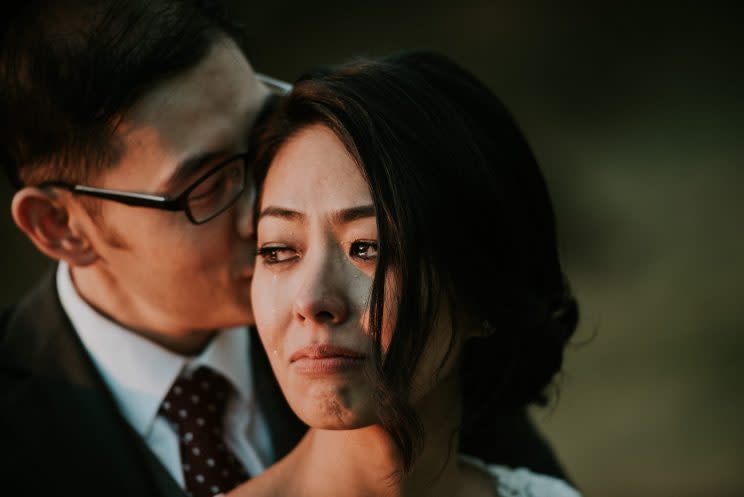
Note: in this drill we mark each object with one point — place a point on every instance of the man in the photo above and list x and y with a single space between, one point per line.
129 371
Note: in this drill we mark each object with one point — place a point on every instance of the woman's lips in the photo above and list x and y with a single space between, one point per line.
326 359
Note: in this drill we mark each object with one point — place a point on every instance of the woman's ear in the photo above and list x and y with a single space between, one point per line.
45 219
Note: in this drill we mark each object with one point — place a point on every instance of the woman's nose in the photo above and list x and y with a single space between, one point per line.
323 297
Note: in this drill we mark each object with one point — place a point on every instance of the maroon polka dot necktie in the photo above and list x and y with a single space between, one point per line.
195 406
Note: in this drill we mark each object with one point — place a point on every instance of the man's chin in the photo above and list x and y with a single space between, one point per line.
238 317
221 319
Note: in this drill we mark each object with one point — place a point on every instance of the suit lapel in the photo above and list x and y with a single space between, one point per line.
62 422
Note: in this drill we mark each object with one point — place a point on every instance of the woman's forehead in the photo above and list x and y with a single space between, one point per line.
312 172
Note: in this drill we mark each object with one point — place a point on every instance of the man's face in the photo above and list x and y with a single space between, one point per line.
162 273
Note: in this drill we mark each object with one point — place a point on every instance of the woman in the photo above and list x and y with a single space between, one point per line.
407 272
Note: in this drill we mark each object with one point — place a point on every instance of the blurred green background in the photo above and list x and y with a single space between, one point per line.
635 112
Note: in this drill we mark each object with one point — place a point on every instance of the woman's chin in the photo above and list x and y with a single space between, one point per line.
334 407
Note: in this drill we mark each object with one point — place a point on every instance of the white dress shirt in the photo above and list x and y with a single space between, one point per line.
140 373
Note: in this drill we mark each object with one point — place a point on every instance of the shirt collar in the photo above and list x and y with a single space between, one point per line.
140 372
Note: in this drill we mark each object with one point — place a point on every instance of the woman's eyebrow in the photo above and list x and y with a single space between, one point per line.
342 216
282 213
345 216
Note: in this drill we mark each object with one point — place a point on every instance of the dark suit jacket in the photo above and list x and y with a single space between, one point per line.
61 432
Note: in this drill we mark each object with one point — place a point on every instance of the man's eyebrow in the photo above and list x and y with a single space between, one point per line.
343 216
187 168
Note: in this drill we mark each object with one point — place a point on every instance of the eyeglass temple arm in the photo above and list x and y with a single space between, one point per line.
128 198
281 87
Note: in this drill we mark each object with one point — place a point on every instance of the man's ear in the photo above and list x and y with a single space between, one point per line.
45 219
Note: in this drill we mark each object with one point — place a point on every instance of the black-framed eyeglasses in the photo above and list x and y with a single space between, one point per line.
207 197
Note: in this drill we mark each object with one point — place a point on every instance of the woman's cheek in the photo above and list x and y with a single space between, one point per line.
265 305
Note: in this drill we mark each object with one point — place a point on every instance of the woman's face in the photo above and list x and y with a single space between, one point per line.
317 243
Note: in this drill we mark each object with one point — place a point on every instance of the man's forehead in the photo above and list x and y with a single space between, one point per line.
205 110
221 89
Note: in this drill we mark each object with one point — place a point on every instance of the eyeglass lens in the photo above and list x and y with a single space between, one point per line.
218 191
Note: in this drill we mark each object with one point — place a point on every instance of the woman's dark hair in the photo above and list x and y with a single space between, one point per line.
464 217
70 68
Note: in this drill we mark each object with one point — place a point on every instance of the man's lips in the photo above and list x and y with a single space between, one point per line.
326 359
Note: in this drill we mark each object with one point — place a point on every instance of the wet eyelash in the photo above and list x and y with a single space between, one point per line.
367 244
267 253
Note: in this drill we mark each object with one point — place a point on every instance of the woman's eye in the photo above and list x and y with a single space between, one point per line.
277 254
364 250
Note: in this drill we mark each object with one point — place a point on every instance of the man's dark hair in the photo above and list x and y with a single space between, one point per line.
464 218
69 69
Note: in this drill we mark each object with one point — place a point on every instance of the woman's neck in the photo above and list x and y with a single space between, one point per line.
366 462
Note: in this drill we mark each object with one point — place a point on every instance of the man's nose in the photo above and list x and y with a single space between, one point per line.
323 297
245 212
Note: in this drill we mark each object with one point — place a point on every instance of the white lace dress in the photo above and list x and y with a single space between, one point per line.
521 482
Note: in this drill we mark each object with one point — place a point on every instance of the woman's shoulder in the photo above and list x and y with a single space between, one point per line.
521 482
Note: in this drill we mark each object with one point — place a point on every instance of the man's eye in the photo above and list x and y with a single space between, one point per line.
211 194
213 186
277 254
365 250
219 185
